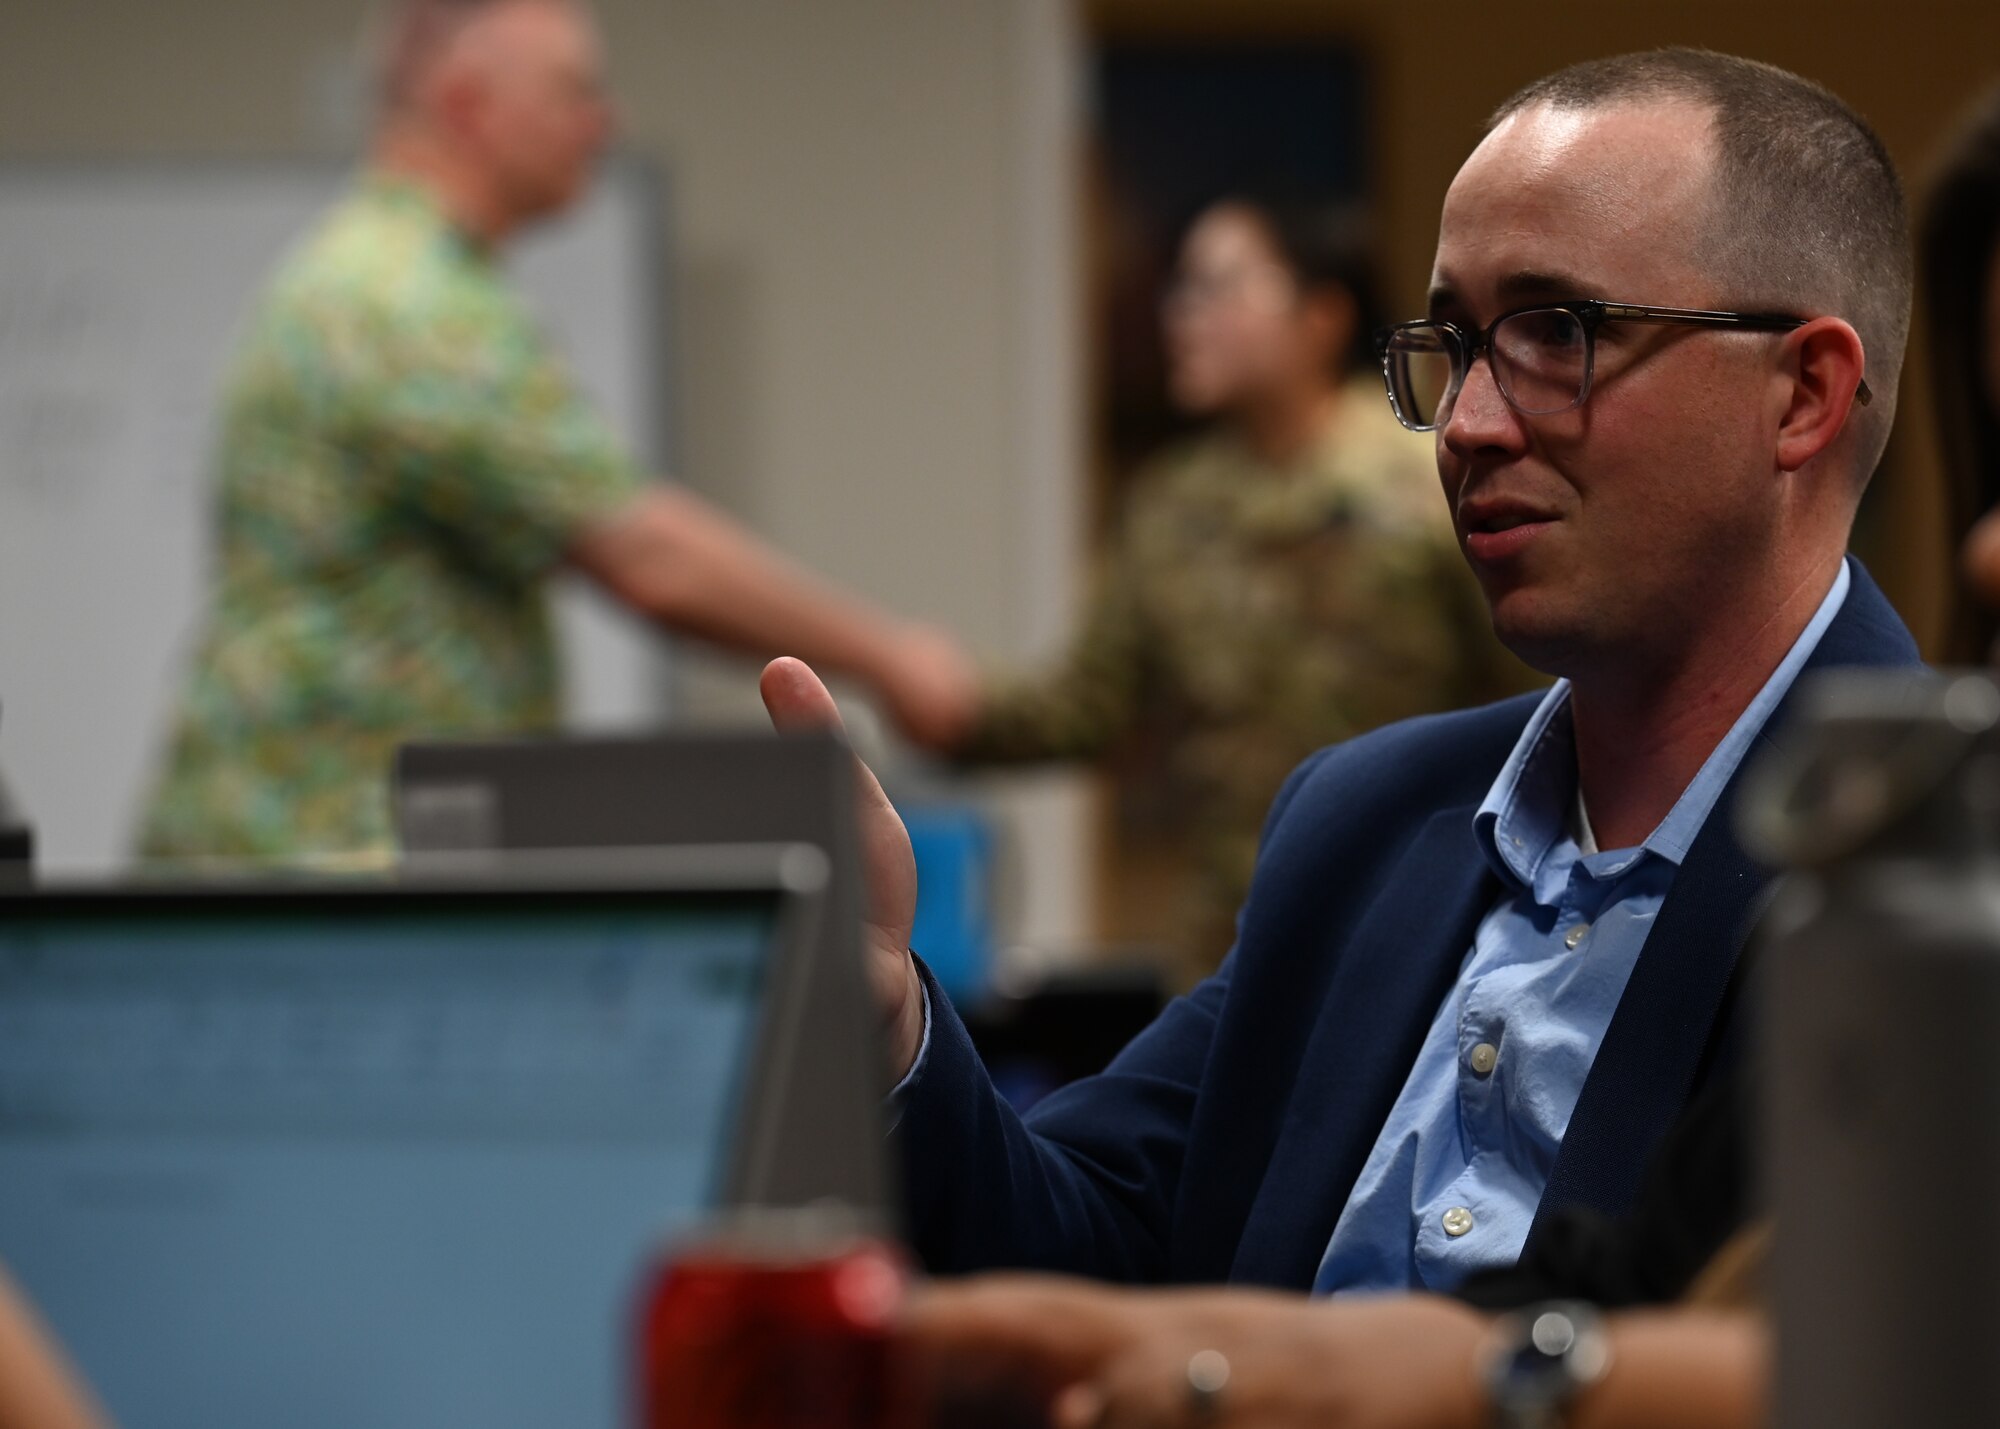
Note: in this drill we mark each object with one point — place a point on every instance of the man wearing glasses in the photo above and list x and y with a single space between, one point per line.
1489 956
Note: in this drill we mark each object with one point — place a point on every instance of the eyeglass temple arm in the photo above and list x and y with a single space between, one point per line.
1699 317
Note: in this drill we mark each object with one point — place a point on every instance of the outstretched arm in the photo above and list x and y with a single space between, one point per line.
676 559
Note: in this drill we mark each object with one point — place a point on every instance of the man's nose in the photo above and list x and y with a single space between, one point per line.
1479 416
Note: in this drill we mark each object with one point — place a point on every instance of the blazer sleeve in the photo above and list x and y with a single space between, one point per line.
1085 1184
1088 1182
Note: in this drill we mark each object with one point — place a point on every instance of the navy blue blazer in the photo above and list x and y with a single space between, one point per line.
1222 1144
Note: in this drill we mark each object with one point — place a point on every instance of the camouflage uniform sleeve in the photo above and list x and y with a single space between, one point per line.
486 436
1089 697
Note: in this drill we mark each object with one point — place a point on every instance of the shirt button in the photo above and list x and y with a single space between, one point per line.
1482 1058
1457 1221
1576 935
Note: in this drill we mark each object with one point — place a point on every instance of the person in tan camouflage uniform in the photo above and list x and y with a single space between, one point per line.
403 460
1288 579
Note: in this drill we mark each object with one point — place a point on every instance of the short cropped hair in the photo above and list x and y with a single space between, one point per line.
412 34
1808 213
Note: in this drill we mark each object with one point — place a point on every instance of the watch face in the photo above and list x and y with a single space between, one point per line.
1527 1376
1547 1355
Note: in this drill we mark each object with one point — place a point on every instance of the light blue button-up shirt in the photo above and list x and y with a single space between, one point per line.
1452 1184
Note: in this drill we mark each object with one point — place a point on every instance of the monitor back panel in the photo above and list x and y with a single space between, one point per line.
824 1087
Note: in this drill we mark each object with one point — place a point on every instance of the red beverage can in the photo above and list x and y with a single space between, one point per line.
771 1323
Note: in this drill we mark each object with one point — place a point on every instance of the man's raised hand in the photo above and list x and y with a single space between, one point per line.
797 700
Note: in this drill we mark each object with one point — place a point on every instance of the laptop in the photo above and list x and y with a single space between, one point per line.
395 1155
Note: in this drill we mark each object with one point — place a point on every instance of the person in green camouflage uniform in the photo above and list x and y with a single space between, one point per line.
402 460
1285 581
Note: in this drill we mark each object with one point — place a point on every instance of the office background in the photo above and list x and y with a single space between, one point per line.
879 259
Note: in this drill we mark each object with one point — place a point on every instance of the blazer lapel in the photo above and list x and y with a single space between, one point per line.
1394 972
1660 1031
1666 1019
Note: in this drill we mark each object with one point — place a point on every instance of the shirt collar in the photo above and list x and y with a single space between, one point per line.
1524 818
405 194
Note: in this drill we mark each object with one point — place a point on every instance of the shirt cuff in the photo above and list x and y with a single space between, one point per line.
901 1089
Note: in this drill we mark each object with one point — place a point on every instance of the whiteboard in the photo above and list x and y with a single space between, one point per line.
122 287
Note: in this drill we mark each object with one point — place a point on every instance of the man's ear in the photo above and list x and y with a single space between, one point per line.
456 98
1824 360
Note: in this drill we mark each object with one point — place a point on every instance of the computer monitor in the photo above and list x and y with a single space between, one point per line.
386 1156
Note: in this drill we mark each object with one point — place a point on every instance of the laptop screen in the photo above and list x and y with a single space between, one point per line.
366 1161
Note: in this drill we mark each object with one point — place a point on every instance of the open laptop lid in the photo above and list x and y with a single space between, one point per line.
455 800
386 1155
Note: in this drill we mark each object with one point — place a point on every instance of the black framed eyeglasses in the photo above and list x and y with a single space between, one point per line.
1541 356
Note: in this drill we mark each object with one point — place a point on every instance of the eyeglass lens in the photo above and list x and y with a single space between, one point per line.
1541 359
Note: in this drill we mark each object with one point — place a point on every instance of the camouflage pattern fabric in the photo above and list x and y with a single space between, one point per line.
401 460
1243 616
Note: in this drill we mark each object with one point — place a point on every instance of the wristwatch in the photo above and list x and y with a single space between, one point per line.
1538 1360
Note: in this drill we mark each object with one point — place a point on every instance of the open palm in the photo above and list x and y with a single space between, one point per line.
797 700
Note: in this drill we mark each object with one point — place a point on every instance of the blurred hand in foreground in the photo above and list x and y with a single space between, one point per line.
1101 1358
797 700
